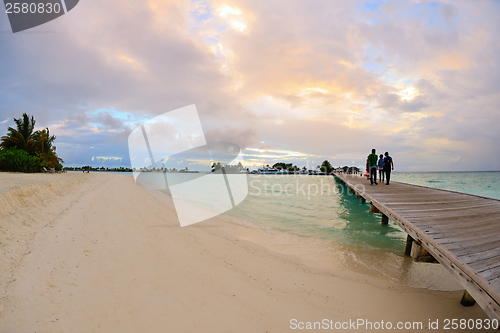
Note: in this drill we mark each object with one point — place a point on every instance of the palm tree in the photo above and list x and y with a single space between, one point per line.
326 167
22 137
43 145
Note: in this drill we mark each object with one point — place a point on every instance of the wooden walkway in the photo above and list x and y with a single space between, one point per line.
461 231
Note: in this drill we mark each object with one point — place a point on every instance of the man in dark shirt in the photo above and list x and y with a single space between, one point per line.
372 164
388 166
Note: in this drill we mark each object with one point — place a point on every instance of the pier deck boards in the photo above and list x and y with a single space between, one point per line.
462 231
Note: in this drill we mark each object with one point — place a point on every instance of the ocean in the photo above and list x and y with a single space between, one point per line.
315 218
485 184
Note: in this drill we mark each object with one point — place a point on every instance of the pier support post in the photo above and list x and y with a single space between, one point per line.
419 253
409 242
416 250
385 219
467 299
374 209
363 200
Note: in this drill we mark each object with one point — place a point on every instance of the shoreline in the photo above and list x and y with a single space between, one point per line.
108 253
329 254
353 258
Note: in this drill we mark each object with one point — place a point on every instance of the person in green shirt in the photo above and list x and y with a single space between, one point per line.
372 164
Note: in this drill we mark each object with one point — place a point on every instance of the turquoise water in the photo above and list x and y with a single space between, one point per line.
316 217
316 207
486 184
323 209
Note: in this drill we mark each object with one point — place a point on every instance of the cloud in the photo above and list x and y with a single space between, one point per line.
393 102
318 78
244 137
456 160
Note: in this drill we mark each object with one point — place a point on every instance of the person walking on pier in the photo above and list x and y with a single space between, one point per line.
388 166
372 164
380 165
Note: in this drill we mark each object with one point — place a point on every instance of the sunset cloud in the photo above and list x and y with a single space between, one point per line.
311 79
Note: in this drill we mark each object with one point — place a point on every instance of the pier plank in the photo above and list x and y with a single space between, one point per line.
464 214
495 282
460 229
469 239
412 203
486 264
430 207
490 272
469 223
462 248
478 256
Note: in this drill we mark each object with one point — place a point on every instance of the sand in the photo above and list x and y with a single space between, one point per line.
97 253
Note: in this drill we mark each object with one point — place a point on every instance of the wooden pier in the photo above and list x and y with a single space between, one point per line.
461 231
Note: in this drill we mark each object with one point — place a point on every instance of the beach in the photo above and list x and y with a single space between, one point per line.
97 253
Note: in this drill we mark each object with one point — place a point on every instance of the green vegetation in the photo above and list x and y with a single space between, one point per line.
25 150
88 167
238 168
13 159
326 167
285 166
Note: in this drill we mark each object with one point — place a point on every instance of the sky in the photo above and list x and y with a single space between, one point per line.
287 81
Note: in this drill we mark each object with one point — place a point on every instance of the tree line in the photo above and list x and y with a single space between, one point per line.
325 167
91 168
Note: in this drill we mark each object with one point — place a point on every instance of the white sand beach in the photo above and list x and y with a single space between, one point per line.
97 253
